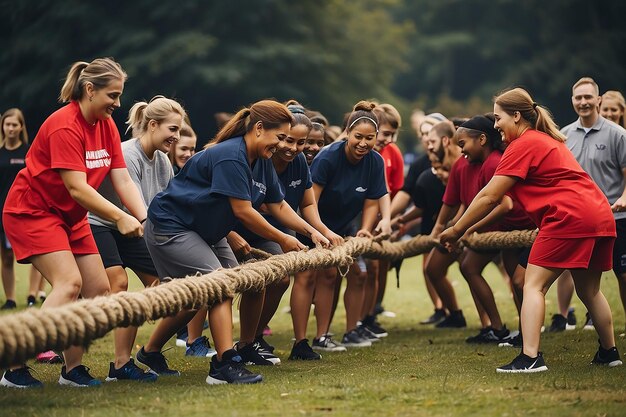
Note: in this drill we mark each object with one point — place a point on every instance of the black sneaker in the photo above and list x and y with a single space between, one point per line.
251 356
354 339
559 323
156 363
514 340
455 320
436 317
373 326
524 364
302 351
181 337
20 378
230 370
78 377
609 357
31 301
366 333
130 372
9 305
479 337
588 322
491 335
263 343
571 319
327 344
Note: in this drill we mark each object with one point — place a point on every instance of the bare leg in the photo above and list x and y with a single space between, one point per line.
432 292
8 273
273 295
437 268
35 281
472 267
250 313
383 269
324 294
353 296
564 292
196 325
587 284
371 287
221 323
301 299
537 281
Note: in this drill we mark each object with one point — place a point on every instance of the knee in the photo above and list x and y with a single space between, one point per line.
357 280
70 288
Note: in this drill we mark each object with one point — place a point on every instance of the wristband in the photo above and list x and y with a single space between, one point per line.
143 221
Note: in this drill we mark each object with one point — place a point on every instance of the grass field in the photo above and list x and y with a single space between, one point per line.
416 371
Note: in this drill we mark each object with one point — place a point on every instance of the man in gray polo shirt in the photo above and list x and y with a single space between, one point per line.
599 145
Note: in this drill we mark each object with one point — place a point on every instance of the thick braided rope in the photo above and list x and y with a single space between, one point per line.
25 334
501 240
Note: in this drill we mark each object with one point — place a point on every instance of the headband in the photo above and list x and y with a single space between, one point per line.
363 117
482 124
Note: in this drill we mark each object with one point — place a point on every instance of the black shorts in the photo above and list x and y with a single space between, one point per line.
619 248
117 250
523 258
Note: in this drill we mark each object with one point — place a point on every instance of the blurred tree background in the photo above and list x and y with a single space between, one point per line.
449 56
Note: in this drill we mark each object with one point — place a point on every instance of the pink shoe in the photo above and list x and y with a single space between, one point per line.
267 331
49 357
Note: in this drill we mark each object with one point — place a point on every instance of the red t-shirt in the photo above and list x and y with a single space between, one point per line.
516 219
463 183
554 190
64 141
394 168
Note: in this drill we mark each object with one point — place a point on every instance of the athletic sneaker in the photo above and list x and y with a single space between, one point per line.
559 324
263 344
514 340
31 301
327 344
20 378
252 354
42 296
78 377
366 333
156 363
588 322
571 318
609 357
354 339
181 337
302 351
130 372
478 338
9 305
49 357
230 370
200 348
373 326
524 364
455 320
436 317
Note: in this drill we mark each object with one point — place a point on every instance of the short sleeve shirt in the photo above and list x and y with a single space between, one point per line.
197 198
11 162
394 168
427 194
463 183
346 185
558 195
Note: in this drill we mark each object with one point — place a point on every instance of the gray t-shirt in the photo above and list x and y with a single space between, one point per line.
601 152
150 176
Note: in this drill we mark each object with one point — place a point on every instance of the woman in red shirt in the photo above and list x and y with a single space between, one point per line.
576 226
45 212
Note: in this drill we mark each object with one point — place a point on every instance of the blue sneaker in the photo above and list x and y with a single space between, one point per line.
130 372
230 370
78 377
181 337
20 378
200 348
156 363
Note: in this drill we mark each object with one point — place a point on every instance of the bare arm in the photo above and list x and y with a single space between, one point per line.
494 216
445 215
85 195
370 214
620 203
400 202
384 225
128 192
289 218
308 209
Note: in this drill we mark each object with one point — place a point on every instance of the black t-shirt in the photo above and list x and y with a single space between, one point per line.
427 194
11 162
418 166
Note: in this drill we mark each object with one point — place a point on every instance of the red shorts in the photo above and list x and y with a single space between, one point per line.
42 232
594 253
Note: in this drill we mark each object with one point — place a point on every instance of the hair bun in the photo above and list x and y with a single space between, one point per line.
364 105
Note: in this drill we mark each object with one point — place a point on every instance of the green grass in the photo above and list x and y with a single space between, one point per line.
416 371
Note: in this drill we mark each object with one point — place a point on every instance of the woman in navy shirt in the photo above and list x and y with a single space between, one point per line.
348 178
188 222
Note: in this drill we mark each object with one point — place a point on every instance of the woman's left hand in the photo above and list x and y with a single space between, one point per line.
319 239
384 227
334 238
449 238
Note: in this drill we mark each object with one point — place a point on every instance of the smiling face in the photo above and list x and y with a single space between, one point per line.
610 109
506 124
586 101
11 127
385 136
184 149
267 140
106 100
471 147
293 144
361 140
165 133
314 143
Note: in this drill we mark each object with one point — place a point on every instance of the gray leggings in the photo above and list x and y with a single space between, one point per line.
185 253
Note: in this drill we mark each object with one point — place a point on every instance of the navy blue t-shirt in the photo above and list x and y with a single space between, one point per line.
427 194
197 197
294 181
346 186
